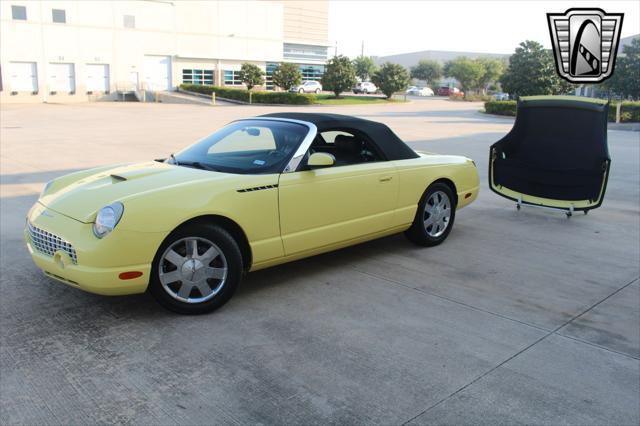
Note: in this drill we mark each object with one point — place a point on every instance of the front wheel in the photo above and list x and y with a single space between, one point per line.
301 91
435 216
196 270
317 91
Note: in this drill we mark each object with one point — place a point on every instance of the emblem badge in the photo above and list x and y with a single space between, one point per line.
585 43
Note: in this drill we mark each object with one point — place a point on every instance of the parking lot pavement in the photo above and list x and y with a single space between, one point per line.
519 317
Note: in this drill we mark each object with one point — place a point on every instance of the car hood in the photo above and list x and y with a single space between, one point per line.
80 198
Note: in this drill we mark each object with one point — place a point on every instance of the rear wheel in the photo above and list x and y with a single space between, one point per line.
196 270
435 216
301 91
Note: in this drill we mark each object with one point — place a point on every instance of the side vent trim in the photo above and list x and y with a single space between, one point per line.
257 188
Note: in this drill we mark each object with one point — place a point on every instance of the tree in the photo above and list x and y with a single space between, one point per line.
286 76
251 75
624 81
365 67
391 78
532 71
493 69
469 73
339 75
427 70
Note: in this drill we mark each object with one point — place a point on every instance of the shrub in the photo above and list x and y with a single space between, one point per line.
501 108
339 75
471 98
286 76
365 67
260 97
629 112
391 78
251 75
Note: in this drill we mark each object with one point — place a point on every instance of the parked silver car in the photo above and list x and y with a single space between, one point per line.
365 87
419 91
307 87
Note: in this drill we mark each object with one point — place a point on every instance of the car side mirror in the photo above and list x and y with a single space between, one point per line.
321 159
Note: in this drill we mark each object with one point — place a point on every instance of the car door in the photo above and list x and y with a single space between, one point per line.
328 206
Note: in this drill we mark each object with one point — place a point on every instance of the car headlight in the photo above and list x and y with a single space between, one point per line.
45 189
107 219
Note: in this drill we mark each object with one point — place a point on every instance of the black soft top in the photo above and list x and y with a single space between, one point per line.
388 142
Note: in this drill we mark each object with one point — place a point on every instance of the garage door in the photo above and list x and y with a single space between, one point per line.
23 77
62 78
97 77
157 72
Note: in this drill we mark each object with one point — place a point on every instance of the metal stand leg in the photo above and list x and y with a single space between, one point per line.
570 212
519 202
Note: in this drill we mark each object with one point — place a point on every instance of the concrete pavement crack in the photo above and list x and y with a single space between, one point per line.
521 351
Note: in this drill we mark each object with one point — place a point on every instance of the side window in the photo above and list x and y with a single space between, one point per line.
246 139
347 147
330 136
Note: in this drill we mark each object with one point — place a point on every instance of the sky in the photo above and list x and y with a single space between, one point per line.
391 27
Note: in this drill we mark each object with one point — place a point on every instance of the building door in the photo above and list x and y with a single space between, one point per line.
133 79
62 78
24 77
157 72
97 78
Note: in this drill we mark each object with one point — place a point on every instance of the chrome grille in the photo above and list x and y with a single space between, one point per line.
48 243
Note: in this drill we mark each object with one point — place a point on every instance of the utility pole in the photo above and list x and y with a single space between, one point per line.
362 49
335 53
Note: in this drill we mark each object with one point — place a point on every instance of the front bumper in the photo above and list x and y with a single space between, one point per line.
98 262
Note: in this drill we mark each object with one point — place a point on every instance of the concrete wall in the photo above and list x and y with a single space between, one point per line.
216 35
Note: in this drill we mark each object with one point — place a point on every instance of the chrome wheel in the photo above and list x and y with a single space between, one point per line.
193 270
437 214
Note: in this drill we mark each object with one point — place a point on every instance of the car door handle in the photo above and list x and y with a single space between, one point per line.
386 178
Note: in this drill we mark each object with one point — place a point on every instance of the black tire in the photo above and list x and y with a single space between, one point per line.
418 233
317 91
301 91
232 256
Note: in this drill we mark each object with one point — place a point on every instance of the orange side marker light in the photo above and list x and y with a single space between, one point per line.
130 275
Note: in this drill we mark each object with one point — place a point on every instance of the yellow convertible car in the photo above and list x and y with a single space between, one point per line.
259 192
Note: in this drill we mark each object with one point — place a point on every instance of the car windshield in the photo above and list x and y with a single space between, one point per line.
245 147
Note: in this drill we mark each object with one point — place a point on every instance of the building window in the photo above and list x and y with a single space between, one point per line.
129 21
232 78
19 13
197 77
309 73
59 16
304 52
271 66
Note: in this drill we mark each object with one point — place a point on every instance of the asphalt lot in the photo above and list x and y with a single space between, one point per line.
519 317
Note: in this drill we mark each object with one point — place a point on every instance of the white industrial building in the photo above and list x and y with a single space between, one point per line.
75 50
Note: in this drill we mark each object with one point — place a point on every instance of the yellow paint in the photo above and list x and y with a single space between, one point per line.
549 202
307 213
